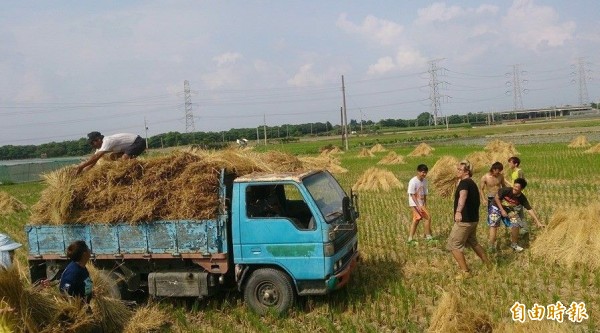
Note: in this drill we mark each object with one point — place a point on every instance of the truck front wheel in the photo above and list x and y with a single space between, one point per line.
269 290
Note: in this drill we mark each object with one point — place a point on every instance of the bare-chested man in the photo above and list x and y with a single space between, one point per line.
491 182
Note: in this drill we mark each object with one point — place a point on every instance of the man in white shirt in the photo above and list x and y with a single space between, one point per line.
130 145
417 200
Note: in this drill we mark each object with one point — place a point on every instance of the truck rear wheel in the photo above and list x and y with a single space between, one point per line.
269 290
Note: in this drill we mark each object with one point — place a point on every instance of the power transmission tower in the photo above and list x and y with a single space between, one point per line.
582 76
434 89
189 116
517 90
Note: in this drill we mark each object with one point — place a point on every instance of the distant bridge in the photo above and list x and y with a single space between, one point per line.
550 112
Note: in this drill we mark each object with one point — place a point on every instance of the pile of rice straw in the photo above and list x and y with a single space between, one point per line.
365 153
571 237
181 185
494 151
594 150
579 142
329 151
9 204
422 149
378 148
325 162
453 315
443 175
375 179
149 318
392 158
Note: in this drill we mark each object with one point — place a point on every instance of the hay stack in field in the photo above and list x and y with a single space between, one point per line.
378 148
331 150
422 149
452 315
594 150
571 238
9 204
149 318
112 313
392 158
375 179
499 146
322 163
181 185
365 153
443 175
579 142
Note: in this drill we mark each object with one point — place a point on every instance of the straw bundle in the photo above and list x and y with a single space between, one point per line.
594 150
499 146
378 148
365 153
375 179
579 142
149 318
452 315
328 150
181 185
322 163
422 149
443 175
9 204
113 314
392 158
571 238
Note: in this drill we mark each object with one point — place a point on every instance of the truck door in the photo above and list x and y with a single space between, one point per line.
278 228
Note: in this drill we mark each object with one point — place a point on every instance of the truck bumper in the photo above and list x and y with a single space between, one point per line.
340 279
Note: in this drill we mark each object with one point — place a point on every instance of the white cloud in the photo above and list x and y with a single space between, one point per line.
381 31
227 58
305 76
404 58
440 12
531 26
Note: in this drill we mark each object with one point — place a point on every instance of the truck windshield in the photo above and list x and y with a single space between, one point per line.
327 193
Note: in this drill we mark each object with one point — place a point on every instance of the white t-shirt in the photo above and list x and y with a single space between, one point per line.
418 187
117 143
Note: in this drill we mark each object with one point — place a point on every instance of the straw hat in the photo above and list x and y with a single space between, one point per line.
7 244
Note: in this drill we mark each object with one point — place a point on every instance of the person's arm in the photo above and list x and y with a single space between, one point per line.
503 182
91 161
482 186
462 199
532 213
499 204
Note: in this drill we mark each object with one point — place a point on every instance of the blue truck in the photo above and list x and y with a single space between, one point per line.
275 236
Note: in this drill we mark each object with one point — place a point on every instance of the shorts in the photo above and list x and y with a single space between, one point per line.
417 217
513 220
137 147
463 234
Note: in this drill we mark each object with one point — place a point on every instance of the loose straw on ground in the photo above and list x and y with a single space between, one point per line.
571 238
594 150
453 315
9 204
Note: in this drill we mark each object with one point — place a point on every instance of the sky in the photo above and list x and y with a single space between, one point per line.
71 67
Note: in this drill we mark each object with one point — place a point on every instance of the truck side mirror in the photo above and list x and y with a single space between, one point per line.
346 209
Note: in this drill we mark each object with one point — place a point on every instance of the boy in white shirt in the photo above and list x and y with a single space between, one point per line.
417 200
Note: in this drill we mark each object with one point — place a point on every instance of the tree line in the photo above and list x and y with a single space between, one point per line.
216 140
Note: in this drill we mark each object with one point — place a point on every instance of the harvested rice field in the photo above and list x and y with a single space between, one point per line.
396 287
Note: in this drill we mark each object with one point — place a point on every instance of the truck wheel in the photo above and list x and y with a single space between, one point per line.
268 290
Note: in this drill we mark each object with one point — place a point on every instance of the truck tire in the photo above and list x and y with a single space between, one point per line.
269 290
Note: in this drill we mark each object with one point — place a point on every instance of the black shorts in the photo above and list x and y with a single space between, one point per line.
137 147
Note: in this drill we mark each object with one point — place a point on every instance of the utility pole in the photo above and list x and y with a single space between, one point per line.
434 90
257 137
189 116
146 128
265 127
344 115
342 124
361 121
